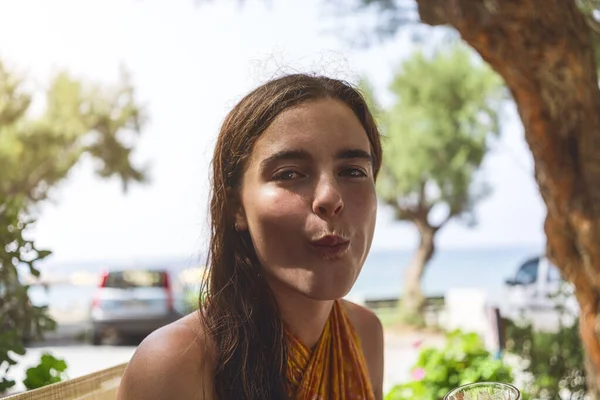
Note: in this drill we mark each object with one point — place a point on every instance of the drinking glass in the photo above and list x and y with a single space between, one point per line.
484 391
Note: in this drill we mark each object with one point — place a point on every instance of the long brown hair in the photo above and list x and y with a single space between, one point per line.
241 315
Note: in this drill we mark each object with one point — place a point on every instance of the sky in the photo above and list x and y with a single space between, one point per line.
191 61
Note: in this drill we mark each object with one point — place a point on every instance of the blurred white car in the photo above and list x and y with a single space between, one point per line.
133 302
536 293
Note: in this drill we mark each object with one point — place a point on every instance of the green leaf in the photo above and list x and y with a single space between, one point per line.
43 253
49 370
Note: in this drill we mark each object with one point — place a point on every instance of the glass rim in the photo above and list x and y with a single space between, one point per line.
476 384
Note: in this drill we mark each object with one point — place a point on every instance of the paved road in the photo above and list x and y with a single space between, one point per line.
82 359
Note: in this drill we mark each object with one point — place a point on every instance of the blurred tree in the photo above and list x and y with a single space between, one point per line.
36 153
436 135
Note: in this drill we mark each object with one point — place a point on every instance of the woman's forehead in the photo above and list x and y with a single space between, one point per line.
312 125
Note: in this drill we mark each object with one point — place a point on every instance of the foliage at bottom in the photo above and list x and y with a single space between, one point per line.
50 370
462 360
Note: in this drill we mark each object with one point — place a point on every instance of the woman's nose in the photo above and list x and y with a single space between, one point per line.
327 200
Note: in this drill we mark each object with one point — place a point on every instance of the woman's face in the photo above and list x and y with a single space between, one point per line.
308 200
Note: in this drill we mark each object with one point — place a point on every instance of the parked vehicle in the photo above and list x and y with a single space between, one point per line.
133 302
537 293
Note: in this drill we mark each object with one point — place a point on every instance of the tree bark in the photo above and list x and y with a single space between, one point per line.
412 301
543 50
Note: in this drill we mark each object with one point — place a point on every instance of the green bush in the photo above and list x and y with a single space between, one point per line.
463 360
50 370
11 345
554 361
20 320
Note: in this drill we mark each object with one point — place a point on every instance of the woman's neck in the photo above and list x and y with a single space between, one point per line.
303 317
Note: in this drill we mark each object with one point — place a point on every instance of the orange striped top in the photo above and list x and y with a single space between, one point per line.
335 369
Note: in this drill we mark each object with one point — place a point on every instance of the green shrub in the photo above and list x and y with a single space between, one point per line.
11 345
463 360
50 370
553 361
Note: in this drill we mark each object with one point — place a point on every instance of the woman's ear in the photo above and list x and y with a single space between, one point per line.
240 221
238 215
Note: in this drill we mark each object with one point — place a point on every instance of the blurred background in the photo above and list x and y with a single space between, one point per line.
109 111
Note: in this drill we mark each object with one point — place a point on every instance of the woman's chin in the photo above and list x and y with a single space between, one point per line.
322 293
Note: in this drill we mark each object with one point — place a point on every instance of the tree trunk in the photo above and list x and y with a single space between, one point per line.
543 50
412 301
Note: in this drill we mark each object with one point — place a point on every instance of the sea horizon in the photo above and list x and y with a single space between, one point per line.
382 273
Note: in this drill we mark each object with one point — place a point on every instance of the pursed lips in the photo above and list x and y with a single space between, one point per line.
330 245
329 241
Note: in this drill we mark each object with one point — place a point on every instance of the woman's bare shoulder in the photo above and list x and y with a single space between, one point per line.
174 362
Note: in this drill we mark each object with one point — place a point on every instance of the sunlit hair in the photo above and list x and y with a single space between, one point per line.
240 313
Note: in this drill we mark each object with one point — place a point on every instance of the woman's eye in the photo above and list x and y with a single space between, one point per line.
354 172
285 176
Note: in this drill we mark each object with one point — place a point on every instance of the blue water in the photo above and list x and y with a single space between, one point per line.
383 271
381 276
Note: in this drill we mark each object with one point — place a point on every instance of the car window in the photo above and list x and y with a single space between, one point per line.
134 279
528 272
554 274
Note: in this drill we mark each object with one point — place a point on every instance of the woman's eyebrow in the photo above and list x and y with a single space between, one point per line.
355 153
294 154
300 154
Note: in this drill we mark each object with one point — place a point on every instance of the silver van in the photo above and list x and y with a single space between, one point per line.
537 293
132 302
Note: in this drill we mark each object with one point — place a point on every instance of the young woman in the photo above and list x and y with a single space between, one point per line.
292 218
